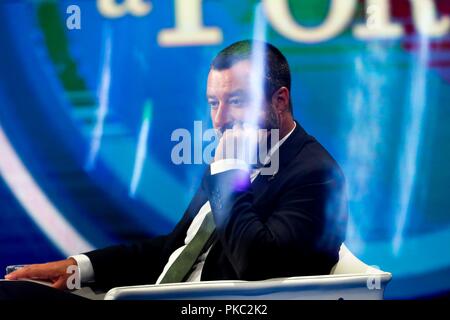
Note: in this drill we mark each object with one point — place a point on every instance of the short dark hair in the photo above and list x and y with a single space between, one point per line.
277 72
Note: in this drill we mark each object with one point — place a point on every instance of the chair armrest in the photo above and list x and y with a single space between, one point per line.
348 286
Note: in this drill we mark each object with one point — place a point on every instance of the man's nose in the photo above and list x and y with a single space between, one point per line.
222 116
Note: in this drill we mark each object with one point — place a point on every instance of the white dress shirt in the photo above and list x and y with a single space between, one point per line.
86 271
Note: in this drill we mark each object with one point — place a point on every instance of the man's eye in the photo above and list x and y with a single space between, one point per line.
213 104
236 102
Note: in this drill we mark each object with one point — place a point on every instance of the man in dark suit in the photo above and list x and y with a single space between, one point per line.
241 224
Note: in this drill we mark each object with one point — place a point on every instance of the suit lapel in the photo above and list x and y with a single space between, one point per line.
286 153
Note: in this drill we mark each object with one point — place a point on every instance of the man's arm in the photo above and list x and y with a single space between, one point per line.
128 264
137 263
305 221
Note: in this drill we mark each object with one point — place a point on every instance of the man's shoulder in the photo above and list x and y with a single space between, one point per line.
315 162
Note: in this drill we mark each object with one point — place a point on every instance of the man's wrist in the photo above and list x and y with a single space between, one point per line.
223 165
85 268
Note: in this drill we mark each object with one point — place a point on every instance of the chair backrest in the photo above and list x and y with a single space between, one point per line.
349 264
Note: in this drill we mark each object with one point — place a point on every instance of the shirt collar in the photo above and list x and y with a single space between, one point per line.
278 144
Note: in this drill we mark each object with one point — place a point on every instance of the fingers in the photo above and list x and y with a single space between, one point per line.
240 142
20 273
34 271
54 272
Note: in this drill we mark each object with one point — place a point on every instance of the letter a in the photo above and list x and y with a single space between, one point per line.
74 20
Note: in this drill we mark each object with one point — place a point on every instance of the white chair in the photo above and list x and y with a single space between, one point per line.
350 279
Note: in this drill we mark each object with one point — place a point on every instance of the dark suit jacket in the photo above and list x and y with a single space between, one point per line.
288 224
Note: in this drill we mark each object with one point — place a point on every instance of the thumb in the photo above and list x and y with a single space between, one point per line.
60 284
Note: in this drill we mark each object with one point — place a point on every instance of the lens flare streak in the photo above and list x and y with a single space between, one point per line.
413 127
103 94
141 150
35 202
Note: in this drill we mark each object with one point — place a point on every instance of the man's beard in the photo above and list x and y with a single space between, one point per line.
272 119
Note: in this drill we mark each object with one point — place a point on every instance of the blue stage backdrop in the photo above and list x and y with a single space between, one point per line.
91 92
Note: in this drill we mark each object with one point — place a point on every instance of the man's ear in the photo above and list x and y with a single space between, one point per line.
280 100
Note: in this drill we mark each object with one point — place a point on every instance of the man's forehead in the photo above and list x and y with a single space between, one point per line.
238 76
